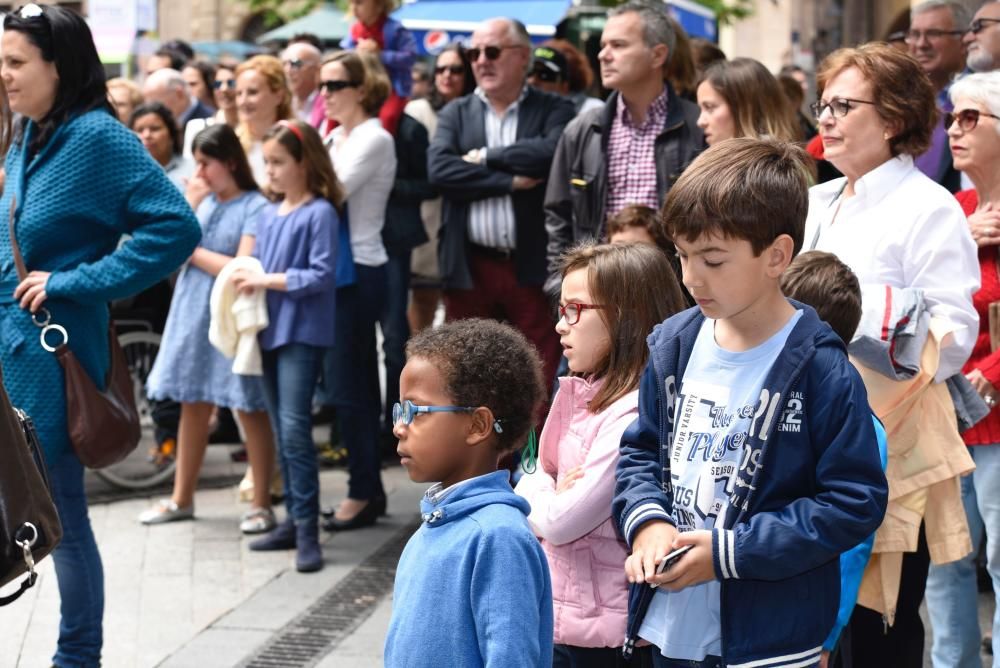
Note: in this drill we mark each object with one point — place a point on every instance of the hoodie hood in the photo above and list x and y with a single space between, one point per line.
470 496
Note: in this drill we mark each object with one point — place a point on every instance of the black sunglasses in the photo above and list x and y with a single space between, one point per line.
492 52
450 69
978 25
225 83
334 85
967 119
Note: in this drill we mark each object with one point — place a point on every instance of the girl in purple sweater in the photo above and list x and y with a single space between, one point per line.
297 246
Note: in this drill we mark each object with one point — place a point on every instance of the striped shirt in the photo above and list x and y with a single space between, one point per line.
491 220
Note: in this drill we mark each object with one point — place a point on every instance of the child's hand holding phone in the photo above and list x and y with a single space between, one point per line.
695 567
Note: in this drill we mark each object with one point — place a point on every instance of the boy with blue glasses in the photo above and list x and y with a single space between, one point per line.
472 586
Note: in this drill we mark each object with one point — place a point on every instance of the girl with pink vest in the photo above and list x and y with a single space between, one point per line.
612 297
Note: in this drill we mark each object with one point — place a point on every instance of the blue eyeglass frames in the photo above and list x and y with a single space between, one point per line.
405 412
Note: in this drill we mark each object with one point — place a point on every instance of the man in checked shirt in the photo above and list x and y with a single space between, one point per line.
631 150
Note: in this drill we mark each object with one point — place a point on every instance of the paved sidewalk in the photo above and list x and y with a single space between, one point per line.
192 594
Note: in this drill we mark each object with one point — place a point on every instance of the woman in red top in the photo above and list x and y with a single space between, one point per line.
974 135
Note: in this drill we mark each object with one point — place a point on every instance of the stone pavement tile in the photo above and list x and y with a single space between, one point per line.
364 646
217 647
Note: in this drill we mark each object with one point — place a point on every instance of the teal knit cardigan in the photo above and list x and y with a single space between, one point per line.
91 183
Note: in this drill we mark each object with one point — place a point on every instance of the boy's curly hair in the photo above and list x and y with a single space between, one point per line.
487 363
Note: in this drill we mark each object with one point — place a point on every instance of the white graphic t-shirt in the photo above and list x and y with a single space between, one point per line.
716 410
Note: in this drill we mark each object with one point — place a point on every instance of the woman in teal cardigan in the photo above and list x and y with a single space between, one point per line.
76 182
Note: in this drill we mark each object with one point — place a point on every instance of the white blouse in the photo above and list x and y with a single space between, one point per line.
903 229
365 162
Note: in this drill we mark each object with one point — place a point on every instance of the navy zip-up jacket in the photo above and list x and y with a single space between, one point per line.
810 486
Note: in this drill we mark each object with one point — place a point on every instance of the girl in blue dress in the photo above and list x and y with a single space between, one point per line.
188 369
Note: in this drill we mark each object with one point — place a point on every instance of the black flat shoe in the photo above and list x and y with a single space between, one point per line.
364 518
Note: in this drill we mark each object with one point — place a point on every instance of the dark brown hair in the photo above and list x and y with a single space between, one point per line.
304 145
704 53
901 91
639 290
680 68
487 363
742 188
637 215
368 74
219 141
822 281
756 102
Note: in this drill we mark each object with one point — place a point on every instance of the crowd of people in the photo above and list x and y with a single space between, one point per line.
647 442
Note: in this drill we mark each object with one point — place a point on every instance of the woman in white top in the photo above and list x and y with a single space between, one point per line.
262 99
364 158
893 226
224 93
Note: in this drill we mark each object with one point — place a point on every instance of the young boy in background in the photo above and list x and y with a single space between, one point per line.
754 443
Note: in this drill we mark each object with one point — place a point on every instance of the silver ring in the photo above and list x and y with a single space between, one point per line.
41 323
30 542
56 328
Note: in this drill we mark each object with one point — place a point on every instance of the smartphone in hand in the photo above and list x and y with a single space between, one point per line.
669 561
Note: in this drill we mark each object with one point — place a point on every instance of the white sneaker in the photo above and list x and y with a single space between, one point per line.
166 510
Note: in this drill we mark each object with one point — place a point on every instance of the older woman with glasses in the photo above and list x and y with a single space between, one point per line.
895 227
952 598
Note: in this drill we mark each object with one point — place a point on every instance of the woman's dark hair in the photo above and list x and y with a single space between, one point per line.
167 118
469 79
64 39
206 70
305 146
219 141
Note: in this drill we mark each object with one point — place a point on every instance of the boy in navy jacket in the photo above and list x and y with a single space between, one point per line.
754 443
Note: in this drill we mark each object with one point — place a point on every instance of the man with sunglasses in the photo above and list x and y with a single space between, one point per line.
935 41
489 159
982 39
301 64
630 150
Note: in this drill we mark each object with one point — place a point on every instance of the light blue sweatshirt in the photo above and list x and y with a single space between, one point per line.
472 586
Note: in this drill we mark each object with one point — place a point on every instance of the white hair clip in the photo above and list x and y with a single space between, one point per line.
30 11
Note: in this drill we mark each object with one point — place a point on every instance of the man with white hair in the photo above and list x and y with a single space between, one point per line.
935 41
982 39
301 62
167 86
489 159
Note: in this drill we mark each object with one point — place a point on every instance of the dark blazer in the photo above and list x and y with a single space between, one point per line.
404 229
461 128
199 110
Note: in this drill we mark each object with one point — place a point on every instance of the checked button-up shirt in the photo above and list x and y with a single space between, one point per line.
631 159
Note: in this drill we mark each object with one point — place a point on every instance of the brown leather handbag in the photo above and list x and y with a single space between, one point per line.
103 424
29 522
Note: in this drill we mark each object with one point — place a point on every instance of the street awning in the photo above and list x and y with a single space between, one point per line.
435 23
326 22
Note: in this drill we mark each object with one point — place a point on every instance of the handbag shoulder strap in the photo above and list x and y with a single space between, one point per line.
22 271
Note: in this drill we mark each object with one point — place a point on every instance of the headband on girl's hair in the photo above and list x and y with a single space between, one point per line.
294 130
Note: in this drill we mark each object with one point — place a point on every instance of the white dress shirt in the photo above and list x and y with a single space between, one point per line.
903 229
365 162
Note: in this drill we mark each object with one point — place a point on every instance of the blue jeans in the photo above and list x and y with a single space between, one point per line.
290 375
354 388
395 329
78 569
952 595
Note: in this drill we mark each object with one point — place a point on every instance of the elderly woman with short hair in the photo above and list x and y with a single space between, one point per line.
895 227
952 598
